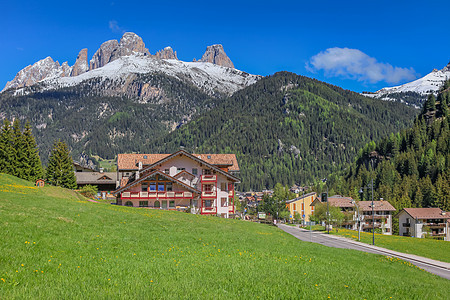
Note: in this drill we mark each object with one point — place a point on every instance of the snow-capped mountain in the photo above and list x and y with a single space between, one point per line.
419 88
120 62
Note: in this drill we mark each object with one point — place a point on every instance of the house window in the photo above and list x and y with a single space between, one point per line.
144 187
164 204
152 186
169 186
128 203
223 186
207 172
143 203
180 169
145 156
312 210
167 171
127 174
207 203
295 206
156 204
171 204
223 202
160 187
194 171
207 188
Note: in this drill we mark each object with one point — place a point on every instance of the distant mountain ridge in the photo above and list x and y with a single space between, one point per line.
214 72
414 92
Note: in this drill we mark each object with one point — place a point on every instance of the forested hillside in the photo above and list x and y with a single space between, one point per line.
410 168
88 120
288 128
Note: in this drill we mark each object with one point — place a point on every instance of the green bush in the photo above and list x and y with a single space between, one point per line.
89 191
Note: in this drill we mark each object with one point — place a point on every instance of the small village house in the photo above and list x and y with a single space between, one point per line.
302 206
419 222
181 180
106 182
382 213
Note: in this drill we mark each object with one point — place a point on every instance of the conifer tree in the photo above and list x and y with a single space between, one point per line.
34 170
60 167
19 162
6 148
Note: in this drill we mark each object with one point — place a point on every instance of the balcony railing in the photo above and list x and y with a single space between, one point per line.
209 178
154 195
211 194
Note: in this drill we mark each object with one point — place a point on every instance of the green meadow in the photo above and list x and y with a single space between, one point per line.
54 244
434 249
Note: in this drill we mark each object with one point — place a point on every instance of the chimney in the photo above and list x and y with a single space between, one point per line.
140 165
101 170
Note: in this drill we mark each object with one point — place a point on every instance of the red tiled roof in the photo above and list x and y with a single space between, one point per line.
128 161
426 213
377 206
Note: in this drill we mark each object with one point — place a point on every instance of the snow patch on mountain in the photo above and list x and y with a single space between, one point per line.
430 83
207 76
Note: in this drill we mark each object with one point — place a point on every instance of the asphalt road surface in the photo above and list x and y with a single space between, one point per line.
439 268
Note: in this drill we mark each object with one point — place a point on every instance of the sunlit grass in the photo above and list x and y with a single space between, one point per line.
434 249
54 244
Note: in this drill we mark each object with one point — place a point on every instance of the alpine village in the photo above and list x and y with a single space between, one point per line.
142 176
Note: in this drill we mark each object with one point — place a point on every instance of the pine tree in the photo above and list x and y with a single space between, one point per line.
6 149
19 163
34 170
60 167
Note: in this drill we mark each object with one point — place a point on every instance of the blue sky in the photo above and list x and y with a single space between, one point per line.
358 45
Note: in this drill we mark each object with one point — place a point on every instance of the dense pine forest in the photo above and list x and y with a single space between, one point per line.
410 168
288 128
90 121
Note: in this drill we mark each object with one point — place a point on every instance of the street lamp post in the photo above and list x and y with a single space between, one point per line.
373 215
358 220
328 208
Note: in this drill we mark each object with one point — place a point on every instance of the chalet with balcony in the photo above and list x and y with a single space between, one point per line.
181 180
382 213
418 222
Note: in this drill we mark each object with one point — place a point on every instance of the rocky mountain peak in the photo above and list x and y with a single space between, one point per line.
103 55
216 55
34 73
166 53
129 43
81 64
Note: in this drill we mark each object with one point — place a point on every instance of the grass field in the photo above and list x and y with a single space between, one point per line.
434 249
56 245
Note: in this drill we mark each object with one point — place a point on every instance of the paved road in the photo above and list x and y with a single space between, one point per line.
441 269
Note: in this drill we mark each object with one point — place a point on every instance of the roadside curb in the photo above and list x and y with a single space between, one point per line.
389 252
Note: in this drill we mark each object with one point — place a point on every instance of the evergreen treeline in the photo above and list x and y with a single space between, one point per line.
59 171
410 168
18 151
288 128
92 120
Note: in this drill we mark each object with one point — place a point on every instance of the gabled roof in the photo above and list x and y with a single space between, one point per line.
128 161
301 197
426 213
96 177
195 158
149 174
337 200
377 206
182 173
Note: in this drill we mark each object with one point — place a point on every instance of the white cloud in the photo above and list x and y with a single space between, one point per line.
355 64
114 26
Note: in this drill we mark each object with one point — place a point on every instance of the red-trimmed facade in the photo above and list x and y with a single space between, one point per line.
179 181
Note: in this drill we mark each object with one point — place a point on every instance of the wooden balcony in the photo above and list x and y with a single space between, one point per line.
209 178
211 194
156 195
208 210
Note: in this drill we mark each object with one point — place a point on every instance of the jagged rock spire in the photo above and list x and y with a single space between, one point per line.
216 55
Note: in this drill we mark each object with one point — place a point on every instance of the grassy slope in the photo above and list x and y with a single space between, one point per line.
434 249
55 245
